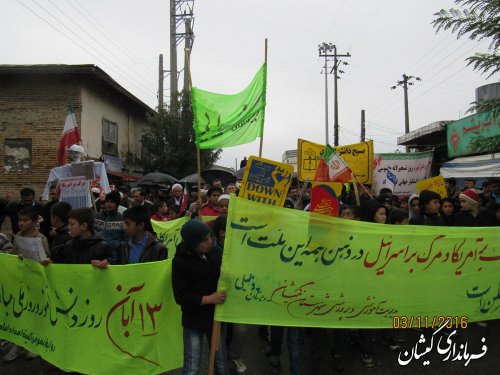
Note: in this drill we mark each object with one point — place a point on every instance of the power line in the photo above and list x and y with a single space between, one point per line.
80 46
107 34
90 35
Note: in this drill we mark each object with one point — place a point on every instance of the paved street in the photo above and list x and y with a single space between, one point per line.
386 361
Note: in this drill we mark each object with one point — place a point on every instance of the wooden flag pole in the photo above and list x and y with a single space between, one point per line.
264 115
214 346
355 183
356 192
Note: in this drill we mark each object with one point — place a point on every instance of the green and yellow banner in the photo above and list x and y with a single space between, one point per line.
294 268
120 320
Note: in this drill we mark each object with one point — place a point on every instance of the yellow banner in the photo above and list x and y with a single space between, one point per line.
435 184
266 181
358 156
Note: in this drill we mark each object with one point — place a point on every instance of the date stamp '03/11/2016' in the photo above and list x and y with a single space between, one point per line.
433 322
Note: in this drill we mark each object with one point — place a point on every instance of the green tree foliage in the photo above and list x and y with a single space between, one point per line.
482 144
169 147
479 20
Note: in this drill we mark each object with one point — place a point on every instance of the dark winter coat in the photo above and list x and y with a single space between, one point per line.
431 220
485 218
82 251
62 237
193 278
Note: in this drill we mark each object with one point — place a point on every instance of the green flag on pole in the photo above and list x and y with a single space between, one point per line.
230 120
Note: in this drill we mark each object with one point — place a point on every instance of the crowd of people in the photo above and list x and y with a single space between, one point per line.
118 230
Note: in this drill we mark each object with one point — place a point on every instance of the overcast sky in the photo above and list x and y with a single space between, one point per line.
386 39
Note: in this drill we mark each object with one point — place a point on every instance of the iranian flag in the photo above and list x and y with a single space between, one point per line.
70 136
332 168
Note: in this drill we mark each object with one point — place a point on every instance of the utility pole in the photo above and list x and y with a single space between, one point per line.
336 70
187 46
324 49
180 10
405 82
173 52
363 125
160 84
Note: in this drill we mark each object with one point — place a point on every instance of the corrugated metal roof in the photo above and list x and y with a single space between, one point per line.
412 137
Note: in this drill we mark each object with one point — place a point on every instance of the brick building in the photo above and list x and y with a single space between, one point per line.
33 105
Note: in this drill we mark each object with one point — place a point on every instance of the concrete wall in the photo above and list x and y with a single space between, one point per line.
131 122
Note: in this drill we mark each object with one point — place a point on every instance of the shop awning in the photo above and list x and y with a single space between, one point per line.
124 176
480 166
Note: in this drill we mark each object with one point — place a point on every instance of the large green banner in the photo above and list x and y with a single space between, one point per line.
294 268
118 320
221 120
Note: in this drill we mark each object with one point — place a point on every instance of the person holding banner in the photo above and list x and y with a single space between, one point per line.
429 210
27 222
142 245
195 273
85 247
471 213
447 210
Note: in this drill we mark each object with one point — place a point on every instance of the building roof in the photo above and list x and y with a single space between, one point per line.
84 70
432 134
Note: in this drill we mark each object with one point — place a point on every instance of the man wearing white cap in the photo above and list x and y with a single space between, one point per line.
224 204
75 153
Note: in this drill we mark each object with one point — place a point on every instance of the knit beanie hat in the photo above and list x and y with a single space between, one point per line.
426 196
193 232
114 197
470 196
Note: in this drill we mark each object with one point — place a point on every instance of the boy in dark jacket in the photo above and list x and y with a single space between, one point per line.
430 202
142 245
195 273
108 223
59 221
84 247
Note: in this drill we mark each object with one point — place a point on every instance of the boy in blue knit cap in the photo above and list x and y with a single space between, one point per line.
195 273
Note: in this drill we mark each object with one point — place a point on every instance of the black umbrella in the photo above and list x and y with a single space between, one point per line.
224 174
152 179
192 179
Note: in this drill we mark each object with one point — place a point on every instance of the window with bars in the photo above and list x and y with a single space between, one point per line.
109 137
